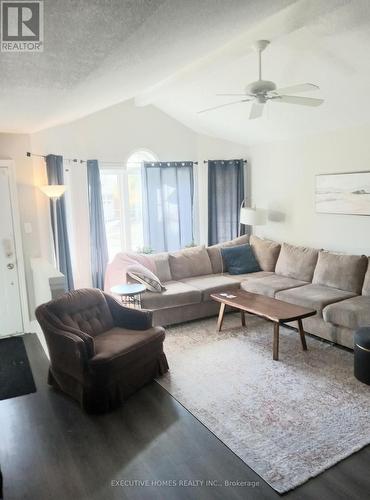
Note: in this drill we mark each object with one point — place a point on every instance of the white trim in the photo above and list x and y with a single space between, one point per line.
36 328
9 164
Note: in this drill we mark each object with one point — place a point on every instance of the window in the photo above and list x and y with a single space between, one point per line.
111 182
122 192
135 197
169 199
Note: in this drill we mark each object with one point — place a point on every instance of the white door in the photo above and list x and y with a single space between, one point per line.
10 302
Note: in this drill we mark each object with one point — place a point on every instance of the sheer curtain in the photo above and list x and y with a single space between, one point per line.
54 169
225 196
98 238
168 204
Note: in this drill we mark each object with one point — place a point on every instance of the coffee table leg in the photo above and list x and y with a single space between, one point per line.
242 315
275 349
302 335
221 316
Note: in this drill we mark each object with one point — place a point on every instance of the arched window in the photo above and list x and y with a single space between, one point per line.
122 191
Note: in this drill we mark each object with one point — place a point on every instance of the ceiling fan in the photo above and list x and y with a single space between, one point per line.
261 91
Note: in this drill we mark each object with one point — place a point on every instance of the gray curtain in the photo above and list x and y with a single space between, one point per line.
54 168
225 196
168 205
98 237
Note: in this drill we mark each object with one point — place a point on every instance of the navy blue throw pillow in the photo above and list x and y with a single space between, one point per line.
240 259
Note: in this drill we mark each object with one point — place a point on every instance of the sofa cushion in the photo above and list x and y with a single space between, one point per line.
176 294
351 313
162 265
125 359
315 296
366 287
345 272
296 262
118 341
213 283
189 262
270 285
214 252
240 259
247 276
266 252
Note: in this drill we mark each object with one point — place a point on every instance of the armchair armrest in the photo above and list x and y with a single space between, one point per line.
49 322
69 349
125 317
68 353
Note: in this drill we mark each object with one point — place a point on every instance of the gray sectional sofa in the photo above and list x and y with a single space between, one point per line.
336 285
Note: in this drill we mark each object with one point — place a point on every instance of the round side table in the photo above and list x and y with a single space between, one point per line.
130 294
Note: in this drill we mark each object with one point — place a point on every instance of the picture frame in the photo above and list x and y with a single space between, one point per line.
346 193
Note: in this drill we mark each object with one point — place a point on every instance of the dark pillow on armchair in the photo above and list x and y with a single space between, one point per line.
240 259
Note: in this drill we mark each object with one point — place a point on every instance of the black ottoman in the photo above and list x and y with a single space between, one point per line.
362 355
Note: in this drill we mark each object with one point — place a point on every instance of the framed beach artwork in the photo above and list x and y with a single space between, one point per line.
347 193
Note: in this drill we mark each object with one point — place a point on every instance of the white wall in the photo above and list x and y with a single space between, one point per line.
111 135
114 133
15 147
283 181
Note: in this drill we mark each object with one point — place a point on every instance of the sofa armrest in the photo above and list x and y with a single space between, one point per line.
126 317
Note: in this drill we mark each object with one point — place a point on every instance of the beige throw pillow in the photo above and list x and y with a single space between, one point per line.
266 252
162 266
296 262
366 287
189 262
345 272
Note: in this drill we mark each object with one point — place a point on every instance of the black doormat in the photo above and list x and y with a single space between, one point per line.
16 377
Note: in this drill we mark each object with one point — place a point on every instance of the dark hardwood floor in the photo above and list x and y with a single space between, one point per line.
50 450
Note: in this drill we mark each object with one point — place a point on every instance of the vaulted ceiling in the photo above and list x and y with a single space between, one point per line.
178 54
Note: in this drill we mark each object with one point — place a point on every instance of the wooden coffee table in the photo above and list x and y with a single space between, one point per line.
274 310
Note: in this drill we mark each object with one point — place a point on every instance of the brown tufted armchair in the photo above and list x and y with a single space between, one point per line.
100 351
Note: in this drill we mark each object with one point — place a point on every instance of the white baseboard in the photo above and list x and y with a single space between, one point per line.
34 327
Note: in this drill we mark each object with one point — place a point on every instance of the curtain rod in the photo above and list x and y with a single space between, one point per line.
75 160
206 161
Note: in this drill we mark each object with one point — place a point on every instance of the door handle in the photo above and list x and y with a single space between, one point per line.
10 266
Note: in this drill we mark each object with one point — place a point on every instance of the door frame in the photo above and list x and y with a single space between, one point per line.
9 164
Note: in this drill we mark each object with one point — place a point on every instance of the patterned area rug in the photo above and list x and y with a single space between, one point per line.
288 420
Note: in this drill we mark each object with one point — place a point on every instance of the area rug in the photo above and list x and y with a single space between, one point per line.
16 377
288 420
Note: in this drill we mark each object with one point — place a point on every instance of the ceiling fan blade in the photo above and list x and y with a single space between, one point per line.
222 105
296 89
304 101
256 110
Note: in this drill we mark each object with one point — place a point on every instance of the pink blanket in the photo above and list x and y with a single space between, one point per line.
115 273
